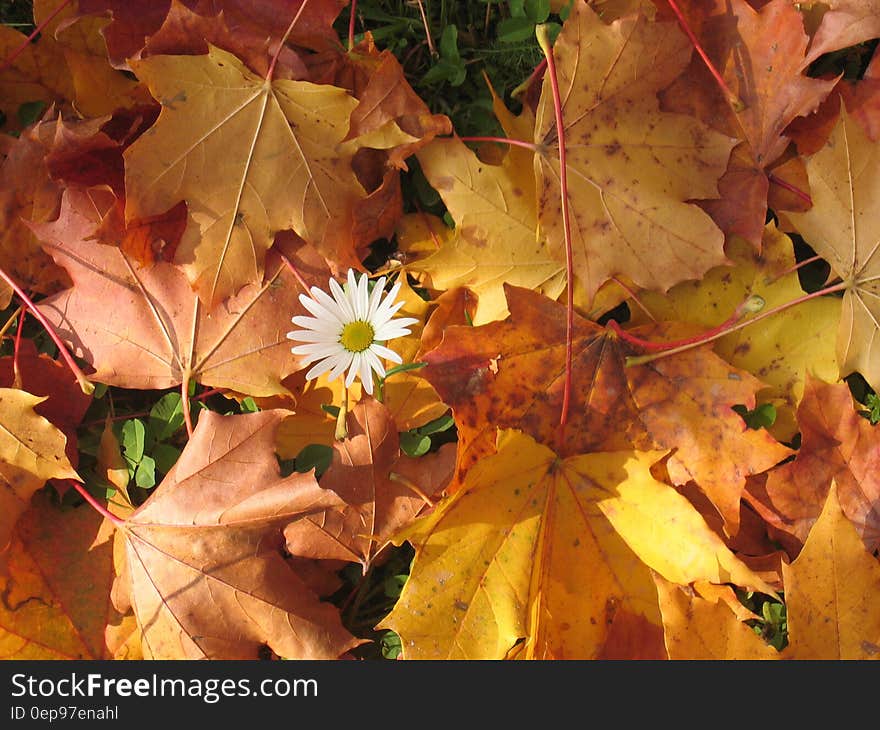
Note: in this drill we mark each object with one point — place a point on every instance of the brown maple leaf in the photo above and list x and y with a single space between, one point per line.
82 54
844 23
510 374
632 168
454 306
28 193
187 32
82 154
97 214
383 490
384 95
86 158
862 100
205 572
760 55
134 22
836 445
146 240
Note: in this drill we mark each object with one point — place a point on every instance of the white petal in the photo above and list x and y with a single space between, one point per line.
320 349
342 301
362 298
375 298
366 373
391 332
374 361
310 359
396 322
386 353
318 325
306 322
394 329
353 370
331 304
387 309
323 308
311 336
322 367
342 361
311 322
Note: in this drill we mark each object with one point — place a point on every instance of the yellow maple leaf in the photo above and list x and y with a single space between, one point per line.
496 239
250 157
781 349
56 586
831 592
843 227
31 451
697 627
540 548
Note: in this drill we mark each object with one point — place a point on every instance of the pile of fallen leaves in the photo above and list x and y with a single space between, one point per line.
615 487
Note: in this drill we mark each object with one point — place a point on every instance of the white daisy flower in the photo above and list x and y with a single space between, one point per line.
348 328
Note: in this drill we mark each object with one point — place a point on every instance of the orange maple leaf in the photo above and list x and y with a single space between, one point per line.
510 374
57 585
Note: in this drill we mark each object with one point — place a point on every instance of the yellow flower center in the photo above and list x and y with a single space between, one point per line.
357 336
